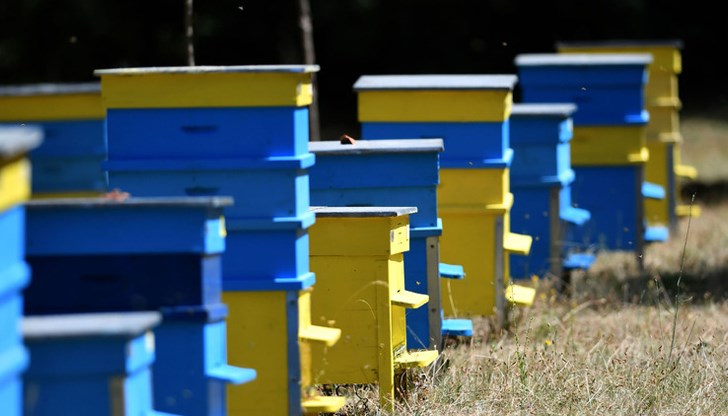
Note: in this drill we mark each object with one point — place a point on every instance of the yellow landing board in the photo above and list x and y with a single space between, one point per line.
51 107
206 89
414 359
686 172
520 295
432 106
407 299
517 243
687 211
323 404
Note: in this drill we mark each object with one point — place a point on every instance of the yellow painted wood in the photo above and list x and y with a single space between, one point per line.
661 88
686 171
257 339
520 295
206 89
407 299
665 58
608 145
664 122
359 267
323 404
517 243
325 335
51 107
414 359
434 105
473 186
688 211
469 238
657 211
14 182
370 242
80 194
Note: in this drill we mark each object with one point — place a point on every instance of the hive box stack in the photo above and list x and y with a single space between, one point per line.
156 254
358 256
68 163
470 113
541 178
15 143
664 140
404 173
240 131
90 364
608 149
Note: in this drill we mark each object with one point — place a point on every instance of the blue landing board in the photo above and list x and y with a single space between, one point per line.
207 133
12 237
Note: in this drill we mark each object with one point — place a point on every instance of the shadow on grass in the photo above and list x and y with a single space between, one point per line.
707 193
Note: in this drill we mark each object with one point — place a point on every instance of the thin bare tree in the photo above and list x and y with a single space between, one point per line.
189 32
305 22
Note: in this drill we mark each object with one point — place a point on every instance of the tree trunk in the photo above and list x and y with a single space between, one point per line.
189 33
309 55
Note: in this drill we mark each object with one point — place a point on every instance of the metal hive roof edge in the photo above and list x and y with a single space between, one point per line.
436 82
209 69
574 59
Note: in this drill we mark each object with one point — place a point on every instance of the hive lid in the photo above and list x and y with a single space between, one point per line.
671 43
435 82
17 140
209 69
575 59
192 201
362 211
543 109
25 90
89 324
377 146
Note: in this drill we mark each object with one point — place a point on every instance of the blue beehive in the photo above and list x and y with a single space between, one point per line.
15 143
90 364
72 119
241 131
541 178
401 173
608 149
607 88
162 254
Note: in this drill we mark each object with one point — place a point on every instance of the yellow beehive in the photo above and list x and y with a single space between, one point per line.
483 292
264 323
357 255
51 102
664 125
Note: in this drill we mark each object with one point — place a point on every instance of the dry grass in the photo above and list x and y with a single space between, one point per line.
623 342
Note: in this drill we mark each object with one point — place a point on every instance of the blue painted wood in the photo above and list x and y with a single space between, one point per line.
133 226
415 272
264 256
578 261
69 159
122 282
452 271
159 254
457 327
13 280
531 215
607 89
612 196
12 236
197 388
483 144
266 187
343 176
540 137
656 234
89 364
652 190
206 133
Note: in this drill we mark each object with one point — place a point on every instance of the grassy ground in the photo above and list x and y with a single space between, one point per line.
621 342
